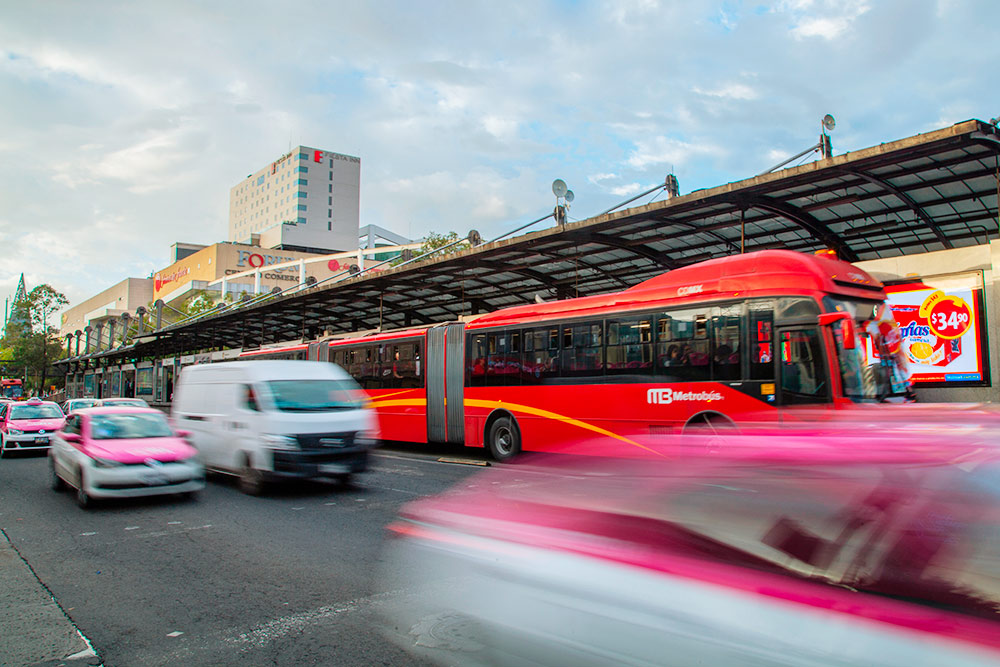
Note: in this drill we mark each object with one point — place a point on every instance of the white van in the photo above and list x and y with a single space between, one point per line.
271 420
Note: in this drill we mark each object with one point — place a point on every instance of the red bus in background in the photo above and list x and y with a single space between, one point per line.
754 337
11 388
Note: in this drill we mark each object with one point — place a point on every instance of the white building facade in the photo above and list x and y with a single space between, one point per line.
307 200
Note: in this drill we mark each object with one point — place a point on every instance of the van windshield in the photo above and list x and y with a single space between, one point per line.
315 395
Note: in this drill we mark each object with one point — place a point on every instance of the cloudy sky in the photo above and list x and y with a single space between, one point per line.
123 125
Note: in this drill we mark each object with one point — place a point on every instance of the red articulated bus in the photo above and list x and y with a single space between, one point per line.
748 337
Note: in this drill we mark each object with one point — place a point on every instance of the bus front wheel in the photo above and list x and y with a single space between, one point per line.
504 440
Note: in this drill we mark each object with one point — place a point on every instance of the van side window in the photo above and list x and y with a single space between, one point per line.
250 399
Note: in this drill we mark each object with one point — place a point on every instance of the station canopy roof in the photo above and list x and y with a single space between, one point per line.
928 192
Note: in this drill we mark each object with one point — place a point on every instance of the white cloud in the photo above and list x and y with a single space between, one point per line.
118 142
732 91
665 150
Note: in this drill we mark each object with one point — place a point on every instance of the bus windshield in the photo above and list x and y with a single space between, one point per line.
874 369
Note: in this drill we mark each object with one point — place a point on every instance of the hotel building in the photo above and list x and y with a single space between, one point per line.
307 200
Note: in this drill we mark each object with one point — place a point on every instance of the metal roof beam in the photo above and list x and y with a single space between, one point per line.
801 218
907 200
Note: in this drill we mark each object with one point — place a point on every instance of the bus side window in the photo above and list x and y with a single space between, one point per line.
582 350
683 350
726 343
476 360
540 355
630 347
803 375
761 321
502 365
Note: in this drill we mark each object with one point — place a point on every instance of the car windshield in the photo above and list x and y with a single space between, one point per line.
35 412
315 395
128 426
78 405
137 403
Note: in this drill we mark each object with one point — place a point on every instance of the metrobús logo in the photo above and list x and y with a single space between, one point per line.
667 396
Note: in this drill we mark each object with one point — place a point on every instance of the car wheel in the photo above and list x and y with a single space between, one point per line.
251 479
55 481
504 440
82 498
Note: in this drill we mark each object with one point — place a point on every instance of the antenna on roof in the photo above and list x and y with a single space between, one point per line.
824 146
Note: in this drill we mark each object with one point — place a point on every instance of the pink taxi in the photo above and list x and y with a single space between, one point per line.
123 453
864 546
28 425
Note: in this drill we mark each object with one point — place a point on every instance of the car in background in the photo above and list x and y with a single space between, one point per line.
849 546
78 403
28 425
123 452
121 402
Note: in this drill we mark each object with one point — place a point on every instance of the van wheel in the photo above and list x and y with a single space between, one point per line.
504 440
251 479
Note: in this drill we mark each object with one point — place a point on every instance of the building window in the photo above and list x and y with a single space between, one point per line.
302 207
329 212
302 181
301 220
331 187
302 170
331 175
329 201
329 226
303 156
302 195
331 163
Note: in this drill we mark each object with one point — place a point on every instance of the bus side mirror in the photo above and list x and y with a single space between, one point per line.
850 335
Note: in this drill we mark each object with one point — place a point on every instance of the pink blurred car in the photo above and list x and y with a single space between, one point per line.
28 425
875 547
123 452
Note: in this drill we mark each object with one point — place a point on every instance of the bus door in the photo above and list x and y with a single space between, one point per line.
803 376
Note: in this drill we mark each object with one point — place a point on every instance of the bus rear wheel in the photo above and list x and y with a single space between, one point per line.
504 439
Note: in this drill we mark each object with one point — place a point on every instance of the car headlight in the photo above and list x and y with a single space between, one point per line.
280 441
106 463
15 431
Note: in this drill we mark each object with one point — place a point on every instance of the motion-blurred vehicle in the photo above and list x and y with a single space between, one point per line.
877 547
121 402
123 452
78 403
28 425
275 420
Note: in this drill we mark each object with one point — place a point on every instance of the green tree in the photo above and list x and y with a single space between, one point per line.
32 343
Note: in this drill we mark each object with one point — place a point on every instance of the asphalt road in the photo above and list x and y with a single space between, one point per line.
227 579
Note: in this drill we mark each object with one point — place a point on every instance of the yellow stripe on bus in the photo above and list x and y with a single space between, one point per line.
516 407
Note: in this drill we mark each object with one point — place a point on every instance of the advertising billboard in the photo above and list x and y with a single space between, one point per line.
943 326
